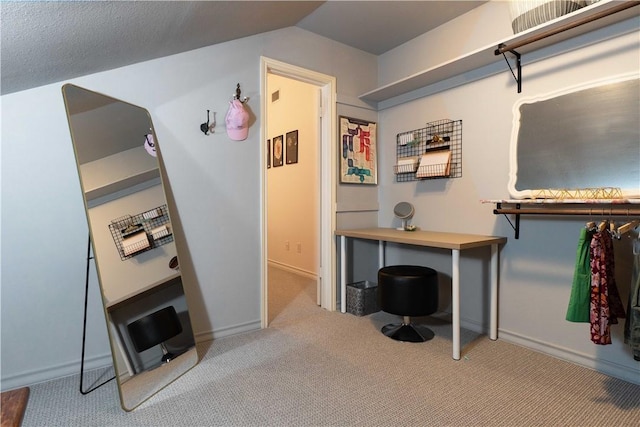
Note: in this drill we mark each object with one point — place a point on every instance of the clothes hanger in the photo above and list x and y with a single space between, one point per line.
603 225
625 228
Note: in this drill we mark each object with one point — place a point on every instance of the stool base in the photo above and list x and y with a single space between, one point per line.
407 332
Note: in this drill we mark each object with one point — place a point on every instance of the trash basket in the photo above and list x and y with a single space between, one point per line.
362 298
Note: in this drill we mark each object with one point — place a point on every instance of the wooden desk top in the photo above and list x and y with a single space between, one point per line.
171 280
433 239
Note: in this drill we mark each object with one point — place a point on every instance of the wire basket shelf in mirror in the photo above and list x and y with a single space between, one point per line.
134 234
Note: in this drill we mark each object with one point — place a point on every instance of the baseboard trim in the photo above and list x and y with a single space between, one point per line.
227 331
37 376
104 361
292 269
605 367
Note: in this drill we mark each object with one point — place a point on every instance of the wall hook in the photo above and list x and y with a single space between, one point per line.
207 127
238 95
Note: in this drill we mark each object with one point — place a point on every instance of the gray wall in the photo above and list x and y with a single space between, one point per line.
214 181
536 270
43 224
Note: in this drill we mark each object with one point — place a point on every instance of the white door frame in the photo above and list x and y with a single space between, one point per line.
328 173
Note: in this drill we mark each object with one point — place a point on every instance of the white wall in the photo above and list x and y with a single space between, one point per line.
536 270
215 183
293 199
447 42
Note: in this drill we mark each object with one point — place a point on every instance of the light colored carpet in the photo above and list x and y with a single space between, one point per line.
317 368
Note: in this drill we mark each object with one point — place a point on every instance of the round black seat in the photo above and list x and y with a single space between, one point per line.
155 329
408 290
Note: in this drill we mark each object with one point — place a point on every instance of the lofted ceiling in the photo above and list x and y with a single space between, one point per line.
46 42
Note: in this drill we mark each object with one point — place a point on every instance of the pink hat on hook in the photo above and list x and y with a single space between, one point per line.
237 121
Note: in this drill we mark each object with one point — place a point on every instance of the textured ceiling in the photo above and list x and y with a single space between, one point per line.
47 42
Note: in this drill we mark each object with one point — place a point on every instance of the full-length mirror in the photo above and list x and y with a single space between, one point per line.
149 327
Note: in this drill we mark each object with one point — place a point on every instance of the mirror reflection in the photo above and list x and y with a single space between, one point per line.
578 138
148 321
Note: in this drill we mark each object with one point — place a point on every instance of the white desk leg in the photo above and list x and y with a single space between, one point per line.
381 254
455 301
493 326
343 274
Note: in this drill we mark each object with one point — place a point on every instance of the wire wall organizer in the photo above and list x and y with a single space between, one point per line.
134 234
432 152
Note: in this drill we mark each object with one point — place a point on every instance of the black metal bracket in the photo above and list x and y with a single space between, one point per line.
84 325
606 210
518 78
516 226
238 95
502 48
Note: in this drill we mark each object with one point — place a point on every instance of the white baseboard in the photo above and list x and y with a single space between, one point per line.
227 331
608 368
605 367
292 269
49 373
104 361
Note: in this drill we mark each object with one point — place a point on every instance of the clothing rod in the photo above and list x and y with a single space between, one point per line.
590 211
615 9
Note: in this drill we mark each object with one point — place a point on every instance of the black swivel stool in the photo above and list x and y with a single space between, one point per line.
408 290
155 329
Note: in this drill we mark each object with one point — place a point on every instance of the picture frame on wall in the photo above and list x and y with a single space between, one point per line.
268 153
358 151
292 147
278 151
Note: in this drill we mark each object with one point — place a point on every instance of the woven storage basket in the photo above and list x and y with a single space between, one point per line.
527 14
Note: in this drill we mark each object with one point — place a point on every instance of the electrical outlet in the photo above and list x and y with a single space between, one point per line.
299 247
286 245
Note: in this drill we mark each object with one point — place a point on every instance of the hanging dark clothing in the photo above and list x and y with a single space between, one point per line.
632 323
605 305
578 310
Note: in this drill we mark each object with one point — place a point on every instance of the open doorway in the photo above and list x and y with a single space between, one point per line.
322 250
293 193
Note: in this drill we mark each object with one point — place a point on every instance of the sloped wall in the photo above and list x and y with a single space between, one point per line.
214 181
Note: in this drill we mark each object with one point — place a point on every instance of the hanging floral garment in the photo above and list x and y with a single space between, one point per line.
605 305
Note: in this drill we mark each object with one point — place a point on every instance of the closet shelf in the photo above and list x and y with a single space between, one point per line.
148 178
119 171
486 56
629 208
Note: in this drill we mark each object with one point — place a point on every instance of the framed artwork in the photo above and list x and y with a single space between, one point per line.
358 151
292 147
277 151
268 153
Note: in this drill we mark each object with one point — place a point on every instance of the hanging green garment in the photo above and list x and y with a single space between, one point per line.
632 323
578 310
